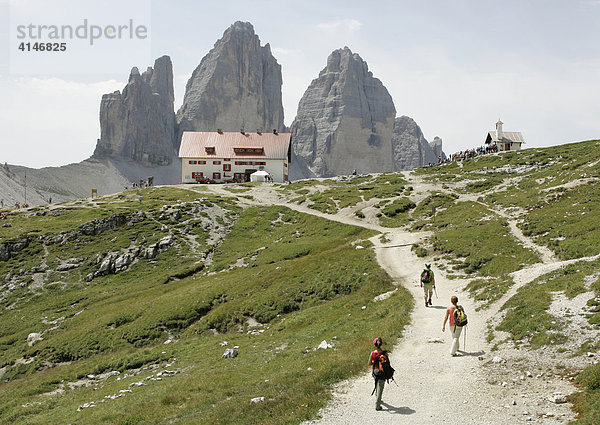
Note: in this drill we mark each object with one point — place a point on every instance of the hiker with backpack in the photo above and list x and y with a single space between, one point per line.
458 320
428 283
382 370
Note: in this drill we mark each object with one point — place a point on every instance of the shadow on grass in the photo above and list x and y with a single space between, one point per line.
398 410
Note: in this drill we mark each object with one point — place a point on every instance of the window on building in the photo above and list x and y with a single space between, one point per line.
197 175
246 151
202 162
192 162
226 167
217 176
210 150
216 162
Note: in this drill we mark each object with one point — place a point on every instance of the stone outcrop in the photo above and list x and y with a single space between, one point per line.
237 85
436 146
411 149
139 123
9 247
345 121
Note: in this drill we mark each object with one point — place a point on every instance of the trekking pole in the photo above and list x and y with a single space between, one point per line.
435 290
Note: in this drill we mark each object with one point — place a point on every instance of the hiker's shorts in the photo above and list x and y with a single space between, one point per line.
428 290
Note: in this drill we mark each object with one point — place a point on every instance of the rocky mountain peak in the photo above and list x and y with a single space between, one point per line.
237 85
436 146
345 120
341 60
411 149
138 124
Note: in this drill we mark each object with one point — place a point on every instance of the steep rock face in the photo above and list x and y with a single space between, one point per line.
237 85
436 146
345 120
411 149
139 123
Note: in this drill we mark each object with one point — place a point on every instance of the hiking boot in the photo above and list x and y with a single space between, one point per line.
429 301
378 408
426 305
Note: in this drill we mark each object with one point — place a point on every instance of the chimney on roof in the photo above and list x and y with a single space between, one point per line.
219 130
274 131
258 131
242 131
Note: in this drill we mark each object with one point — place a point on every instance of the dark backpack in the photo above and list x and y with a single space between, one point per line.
460 317
383 369
426 276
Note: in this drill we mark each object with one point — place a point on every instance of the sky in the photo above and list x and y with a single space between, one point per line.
455 67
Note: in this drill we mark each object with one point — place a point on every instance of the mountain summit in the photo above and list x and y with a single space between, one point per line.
139 123
237 85
345 120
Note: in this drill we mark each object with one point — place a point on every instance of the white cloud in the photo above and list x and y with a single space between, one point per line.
351 25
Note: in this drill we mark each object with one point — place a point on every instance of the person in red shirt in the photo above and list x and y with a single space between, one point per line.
373 361
454 330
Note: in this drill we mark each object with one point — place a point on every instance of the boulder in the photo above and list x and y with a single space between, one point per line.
4 252
33 337
557 398
95 227
230 353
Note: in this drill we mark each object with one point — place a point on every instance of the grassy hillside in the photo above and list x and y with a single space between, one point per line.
552 196
117 311
475 208
143 344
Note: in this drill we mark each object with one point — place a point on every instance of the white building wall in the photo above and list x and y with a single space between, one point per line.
515 146
277 168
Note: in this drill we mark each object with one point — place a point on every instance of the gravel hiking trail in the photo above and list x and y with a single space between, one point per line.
431 387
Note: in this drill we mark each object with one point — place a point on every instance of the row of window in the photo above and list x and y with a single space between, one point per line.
250 163
200 175
249 150
210 150
227 167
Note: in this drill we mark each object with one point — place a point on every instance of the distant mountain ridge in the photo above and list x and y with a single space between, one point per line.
346 120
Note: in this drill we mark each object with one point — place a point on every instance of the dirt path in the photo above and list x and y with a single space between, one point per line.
433 387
